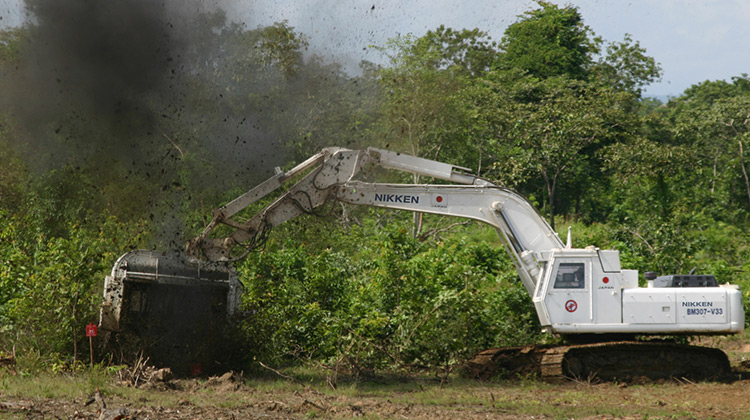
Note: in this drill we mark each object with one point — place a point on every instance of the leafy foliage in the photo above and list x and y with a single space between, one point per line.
50 280
394 303
548 42
627 67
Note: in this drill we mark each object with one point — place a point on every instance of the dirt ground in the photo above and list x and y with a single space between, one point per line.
218 398
231 396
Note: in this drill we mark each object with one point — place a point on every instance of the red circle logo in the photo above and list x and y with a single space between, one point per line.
439 199
605 280
571 306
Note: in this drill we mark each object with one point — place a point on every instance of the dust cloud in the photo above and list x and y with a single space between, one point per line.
135 93
112 81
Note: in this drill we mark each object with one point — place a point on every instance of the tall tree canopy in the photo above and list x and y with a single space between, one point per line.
550 41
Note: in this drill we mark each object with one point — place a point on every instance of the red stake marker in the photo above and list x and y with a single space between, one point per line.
91 333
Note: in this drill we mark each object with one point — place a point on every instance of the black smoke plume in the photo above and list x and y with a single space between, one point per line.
126 91
125 81
84 79
168 106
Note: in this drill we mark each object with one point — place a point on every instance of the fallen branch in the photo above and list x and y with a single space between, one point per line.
173 144
315 405
304 385
293 379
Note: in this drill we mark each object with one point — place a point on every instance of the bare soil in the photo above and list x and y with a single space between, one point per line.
416 397
524 399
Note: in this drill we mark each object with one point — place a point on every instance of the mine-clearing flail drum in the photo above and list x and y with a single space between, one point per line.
171 309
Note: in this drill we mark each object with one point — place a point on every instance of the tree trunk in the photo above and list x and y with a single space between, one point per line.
744 171
417 228
713 180
75 343
75 324
417 220
552 208
550 184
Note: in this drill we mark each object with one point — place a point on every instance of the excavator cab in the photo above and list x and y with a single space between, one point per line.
586 292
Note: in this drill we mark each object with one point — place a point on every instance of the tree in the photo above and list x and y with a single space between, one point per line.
724 129
704 94
712 119
549 41
419 104
560 133
564 105
13 173
627 67
426 104
429 92
467 51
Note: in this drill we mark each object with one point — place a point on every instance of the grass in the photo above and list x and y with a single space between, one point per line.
526 397
43 385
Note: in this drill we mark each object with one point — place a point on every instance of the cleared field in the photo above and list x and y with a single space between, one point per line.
304 393
307 396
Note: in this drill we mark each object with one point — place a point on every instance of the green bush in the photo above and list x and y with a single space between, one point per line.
396 303
51 285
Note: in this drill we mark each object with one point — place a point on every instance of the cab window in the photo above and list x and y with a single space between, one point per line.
570 276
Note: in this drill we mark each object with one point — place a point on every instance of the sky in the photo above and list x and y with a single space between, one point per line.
693 40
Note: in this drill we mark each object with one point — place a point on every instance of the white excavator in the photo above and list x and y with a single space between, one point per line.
582 294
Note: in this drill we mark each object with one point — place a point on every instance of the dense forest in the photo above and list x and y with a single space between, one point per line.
121 129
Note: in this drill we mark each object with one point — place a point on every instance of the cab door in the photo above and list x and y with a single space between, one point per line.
568 298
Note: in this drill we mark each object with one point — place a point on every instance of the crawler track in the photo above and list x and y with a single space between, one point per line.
613 361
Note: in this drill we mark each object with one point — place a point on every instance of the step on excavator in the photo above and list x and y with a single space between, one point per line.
176 303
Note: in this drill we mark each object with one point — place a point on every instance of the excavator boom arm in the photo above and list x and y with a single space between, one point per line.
528 236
